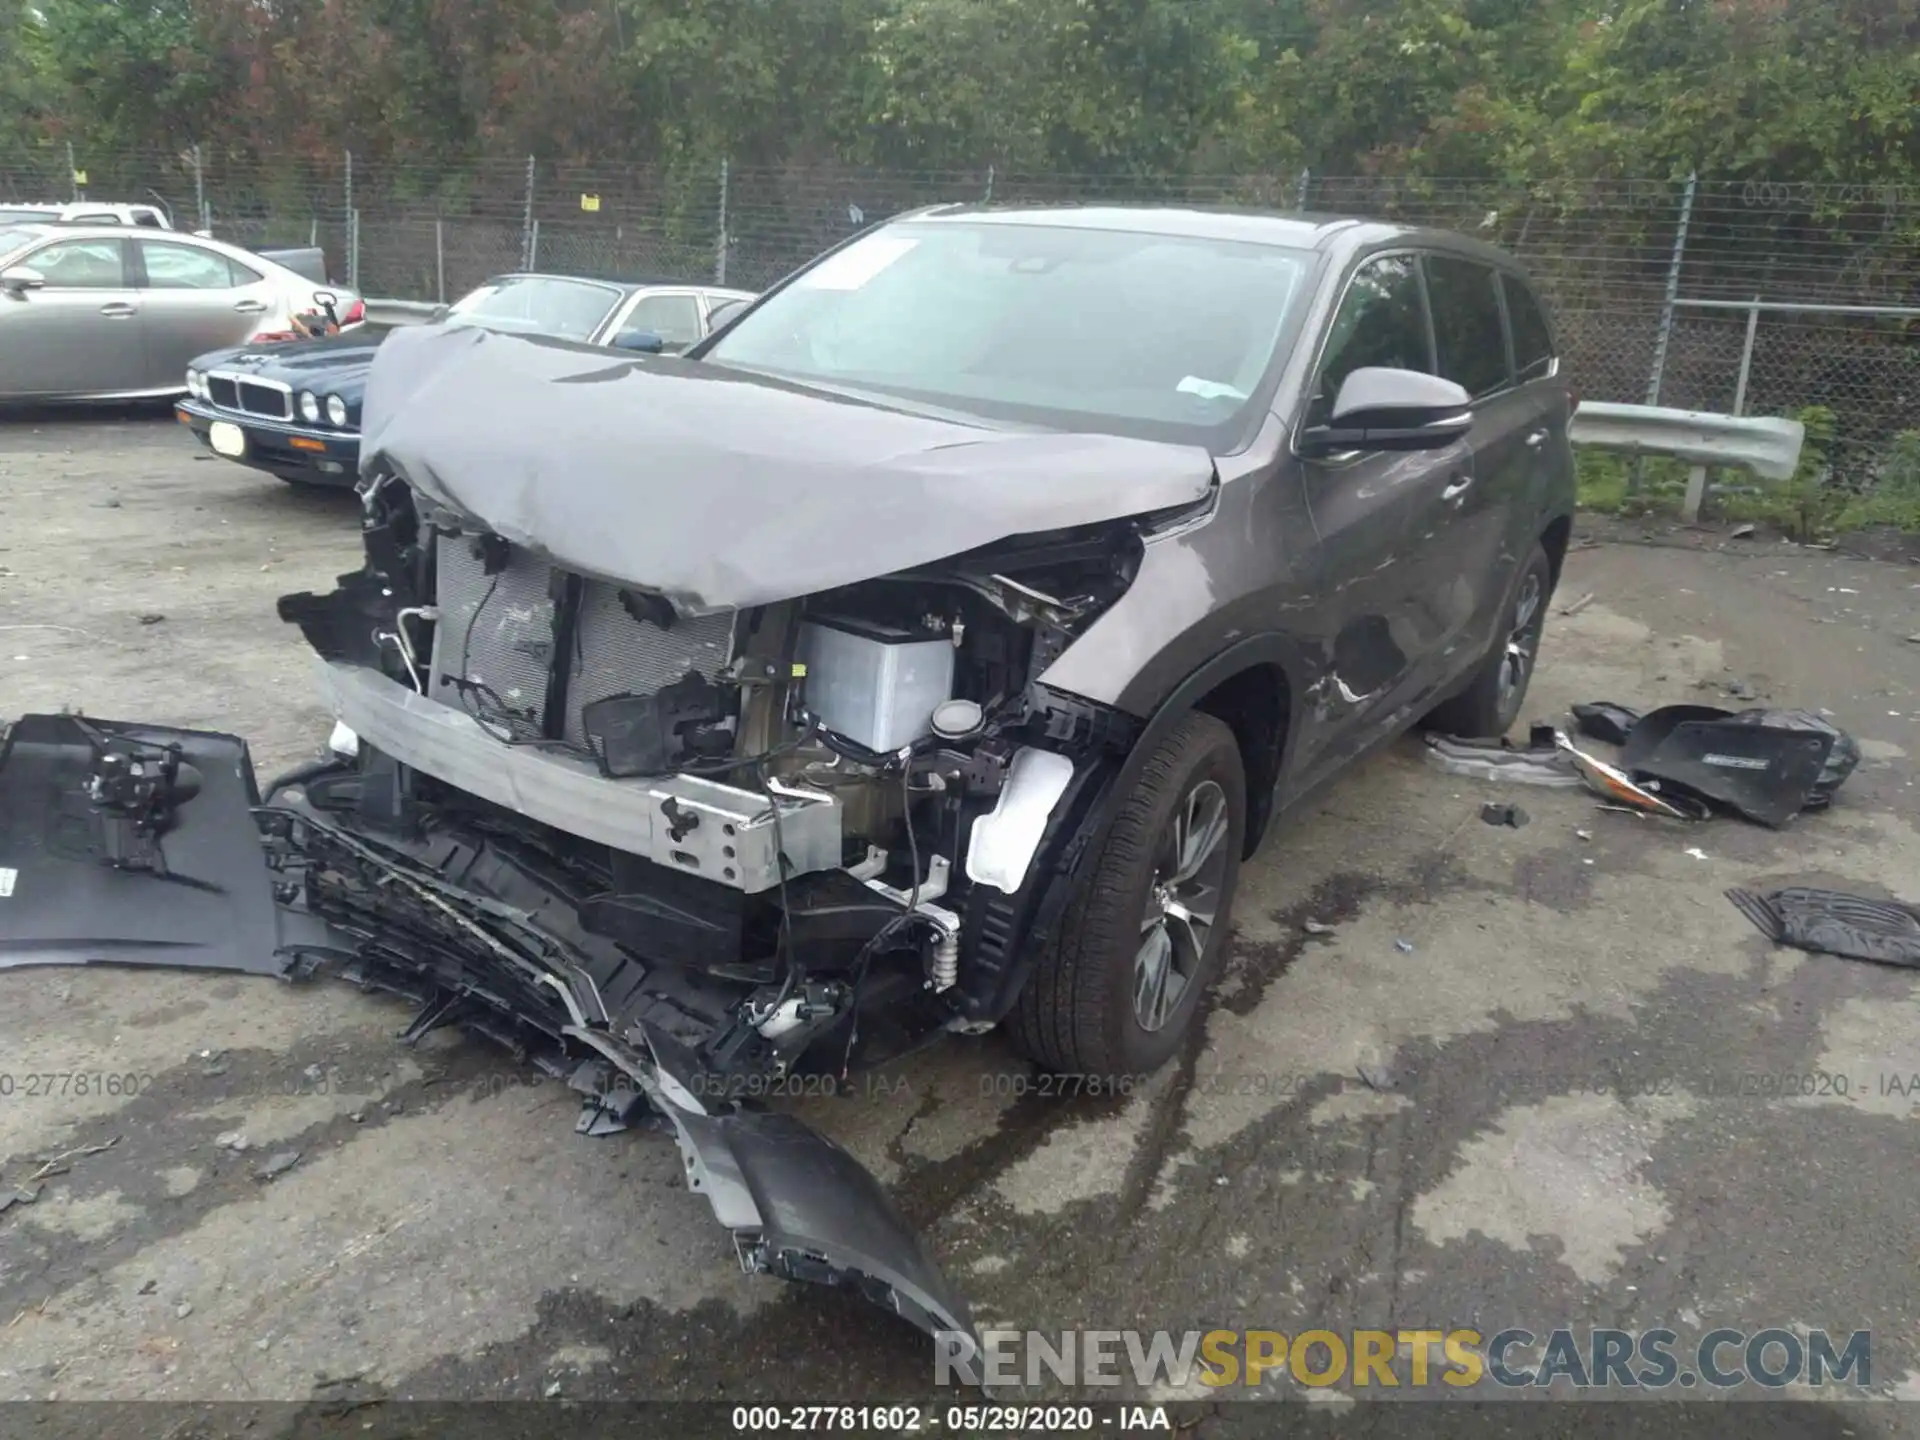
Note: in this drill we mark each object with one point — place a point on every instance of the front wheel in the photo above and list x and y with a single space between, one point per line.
1123 982
1491 703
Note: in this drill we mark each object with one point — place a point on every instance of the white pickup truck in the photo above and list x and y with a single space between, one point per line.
87 212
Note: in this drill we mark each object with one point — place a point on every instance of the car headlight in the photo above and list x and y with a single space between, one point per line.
336 411
193 383
309 407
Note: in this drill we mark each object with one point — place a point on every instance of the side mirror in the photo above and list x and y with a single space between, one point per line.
1379 408
21 278
438 313
645 342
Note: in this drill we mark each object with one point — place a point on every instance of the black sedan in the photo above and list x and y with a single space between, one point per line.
293 409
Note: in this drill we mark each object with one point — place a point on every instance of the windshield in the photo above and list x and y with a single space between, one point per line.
537 305
1157 335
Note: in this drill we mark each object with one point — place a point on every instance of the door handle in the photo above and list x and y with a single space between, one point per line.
117 310
1458 488
250 307
1537 439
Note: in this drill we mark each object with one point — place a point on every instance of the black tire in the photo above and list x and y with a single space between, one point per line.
1491 703
1079 1013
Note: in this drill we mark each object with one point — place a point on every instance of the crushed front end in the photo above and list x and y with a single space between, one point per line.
802 835
670 856
705 744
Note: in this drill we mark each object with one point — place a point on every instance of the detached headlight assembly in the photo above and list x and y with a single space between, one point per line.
336 412
309 407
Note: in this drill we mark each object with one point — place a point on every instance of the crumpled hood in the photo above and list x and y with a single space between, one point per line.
722 489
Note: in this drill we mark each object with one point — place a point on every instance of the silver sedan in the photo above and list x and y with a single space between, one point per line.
98 313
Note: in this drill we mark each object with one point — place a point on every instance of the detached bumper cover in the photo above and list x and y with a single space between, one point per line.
138 844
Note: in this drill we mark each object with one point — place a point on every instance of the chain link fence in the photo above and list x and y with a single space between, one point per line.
1751 296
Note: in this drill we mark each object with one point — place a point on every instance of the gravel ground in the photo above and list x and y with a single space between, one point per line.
1505 1077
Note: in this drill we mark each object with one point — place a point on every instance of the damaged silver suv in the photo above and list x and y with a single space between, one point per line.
924 651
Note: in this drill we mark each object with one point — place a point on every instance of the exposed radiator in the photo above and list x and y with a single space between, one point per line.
617 654
495 631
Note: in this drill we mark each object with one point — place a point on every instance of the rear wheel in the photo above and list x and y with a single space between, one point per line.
1491 703
1119 988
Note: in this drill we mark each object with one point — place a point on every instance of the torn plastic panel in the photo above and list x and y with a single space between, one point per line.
799 1206
1765 773
134 844
147 845
1754 779
506 954
1832 922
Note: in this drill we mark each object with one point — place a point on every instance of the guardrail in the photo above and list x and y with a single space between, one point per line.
1762 446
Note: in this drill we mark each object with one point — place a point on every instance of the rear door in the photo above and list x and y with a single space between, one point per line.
1379 517
79 334
1472 575
194 299
1536 371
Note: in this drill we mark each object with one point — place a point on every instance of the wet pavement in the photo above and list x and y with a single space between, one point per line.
1457 1076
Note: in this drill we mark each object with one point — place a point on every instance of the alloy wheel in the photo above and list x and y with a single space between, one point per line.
1183 902
1523 644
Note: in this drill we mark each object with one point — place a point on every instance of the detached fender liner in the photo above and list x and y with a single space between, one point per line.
129 844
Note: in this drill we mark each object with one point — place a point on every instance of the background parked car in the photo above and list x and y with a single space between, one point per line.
96 312
293 410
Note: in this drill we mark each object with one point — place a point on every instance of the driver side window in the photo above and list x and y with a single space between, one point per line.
81 265
1382 321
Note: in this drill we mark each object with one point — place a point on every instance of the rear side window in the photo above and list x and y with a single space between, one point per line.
1532 340
1380 322
1467 329
188 267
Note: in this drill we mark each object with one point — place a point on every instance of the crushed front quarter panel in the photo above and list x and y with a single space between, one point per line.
89 875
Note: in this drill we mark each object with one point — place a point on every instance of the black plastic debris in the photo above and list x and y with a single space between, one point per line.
1832 922
135 845
1509 814
1763 772
1842 758
1765 764
1604 721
